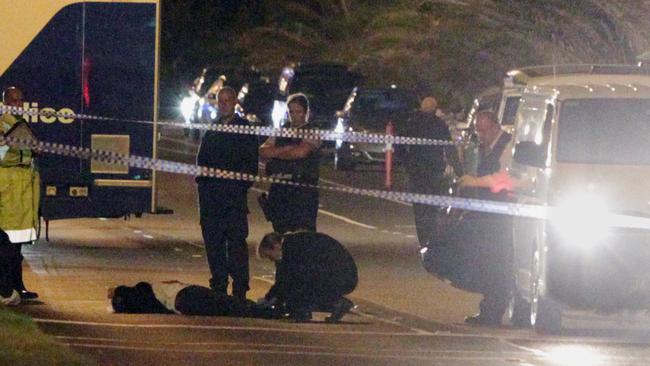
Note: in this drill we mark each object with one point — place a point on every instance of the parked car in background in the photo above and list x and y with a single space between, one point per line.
369 110
200 104
257 102
327 85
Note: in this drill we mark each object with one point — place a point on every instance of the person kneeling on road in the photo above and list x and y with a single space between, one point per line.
313 272
174 297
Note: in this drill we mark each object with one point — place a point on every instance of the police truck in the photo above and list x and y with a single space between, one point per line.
90 58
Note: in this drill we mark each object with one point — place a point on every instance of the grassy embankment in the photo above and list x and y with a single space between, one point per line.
22 343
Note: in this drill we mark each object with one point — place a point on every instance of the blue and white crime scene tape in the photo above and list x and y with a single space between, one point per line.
312 134
505 208
195 170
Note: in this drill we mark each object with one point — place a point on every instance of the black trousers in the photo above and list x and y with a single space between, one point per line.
10 266
425 215
227 252
224 225
199 300
293 208
425 221
493 262
318 291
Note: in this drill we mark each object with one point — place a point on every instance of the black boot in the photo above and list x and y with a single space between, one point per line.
17 274
339 309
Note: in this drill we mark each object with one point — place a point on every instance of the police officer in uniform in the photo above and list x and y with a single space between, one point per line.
19 202
494 249
292 208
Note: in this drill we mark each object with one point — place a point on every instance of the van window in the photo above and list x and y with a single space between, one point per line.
531 117
604 131
510 111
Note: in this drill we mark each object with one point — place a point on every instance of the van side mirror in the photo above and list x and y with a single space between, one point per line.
529 153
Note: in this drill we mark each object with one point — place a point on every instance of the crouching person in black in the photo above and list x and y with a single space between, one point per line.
313 273
174 297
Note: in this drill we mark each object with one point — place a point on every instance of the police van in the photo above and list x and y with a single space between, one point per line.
87 58
582 148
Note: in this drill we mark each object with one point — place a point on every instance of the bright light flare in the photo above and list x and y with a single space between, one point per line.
569 355
187 107
582 219
340 128
279 113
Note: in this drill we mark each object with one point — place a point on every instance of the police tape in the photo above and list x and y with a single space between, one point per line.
311 134
450 202
110 157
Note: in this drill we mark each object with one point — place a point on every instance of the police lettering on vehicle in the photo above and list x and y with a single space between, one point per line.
34 114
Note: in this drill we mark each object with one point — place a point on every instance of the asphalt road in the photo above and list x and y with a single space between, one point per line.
404 316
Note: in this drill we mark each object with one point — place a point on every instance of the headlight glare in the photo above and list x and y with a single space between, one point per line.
581 219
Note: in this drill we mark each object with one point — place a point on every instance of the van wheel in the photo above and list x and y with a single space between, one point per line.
519 311
545 314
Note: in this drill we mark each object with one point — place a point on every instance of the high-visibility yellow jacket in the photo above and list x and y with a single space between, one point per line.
19 190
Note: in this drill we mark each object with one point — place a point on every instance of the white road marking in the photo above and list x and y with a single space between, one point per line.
280 345
433 357
350 187
331 214
393 322
347 220
363 314
298 328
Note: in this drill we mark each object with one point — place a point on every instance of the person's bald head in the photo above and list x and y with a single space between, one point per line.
12 97
487 127
227 100
429 105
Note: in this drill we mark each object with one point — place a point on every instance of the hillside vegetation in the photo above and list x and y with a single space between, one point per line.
450 48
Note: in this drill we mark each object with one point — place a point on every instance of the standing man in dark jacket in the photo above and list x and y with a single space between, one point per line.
313 272
494 249
426 164
223 202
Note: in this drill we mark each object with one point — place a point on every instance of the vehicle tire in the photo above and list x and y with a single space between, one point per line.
519 311
545 314
342 163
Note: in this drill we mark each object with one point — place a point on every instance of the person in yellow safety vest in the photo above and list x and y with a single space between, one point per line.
19 202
